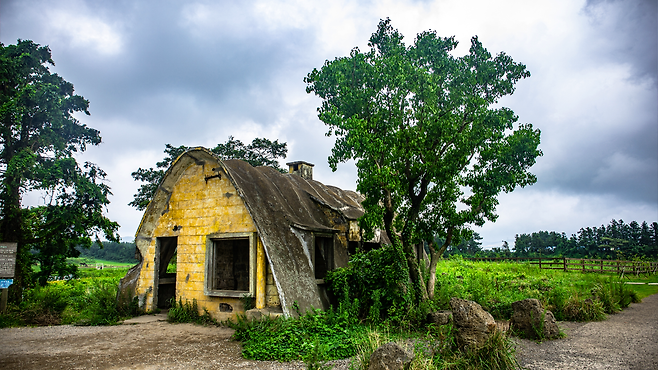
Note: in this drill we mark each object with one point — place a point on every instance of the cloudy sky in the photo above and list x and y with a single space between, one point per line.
195 72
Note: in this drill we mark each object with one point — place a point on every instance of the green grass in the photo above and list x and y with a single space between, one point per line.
91 262
318 337
89 300
189 312
569 295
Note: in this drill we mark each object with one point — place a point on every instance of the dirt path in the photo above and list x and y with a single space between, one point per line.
627 340
149 345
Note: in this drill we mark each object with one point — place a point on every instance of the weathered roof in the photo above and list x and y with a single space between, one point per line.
281 205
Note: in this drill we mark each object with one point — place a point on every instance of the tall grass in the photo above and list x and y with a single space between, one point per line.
570 296
90 300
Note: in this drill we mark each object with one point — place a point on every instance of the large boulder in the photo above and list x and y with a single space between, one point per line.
390 356
443 317
532 321
474 325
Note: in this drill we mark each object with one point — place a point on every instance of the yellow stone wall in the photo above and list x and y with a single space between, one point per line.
198 207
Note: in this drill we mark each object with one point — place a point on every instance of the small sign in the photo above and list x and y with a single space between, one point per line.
5 283
7 259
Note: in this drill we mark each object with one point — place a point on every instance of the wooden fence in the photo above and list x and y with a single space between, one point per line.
582 264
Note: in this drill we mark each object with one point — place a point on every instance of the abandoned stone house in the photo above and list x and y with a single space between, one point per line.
238 231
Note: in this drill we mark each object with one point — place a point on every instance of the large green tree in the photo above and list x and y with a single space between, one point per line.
39 137
433 147
261 152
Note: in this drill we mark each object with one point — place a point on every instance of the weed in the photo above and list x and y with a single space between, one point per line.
189 313
314 337
248 302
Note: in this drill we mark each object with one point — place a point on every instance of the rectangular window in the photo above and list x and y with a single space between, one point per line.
323 260
230 265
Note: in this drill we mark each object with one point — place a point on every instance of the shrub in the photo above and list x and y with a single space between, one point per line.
314 337
84 301
375 286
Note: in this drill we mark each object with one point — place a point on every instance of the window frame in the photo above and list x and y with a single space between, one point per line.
209 270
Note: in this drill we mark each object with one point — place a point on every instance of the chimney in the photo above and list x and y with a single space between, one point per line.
301 168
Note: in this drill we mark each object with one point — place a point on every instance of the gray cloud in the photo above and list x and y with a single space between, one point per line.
630 33
194 73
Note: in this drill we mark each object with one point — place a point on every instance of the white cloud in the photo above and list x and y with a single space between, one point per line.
85 31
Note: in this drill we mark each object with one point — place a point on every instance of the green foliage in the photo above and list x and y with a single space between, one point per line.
85 301
315 337
433 148
374 286
569 295
189 312
39 138
261 152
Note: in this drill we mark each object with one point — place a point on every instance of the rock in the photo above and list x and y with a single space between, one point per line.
390 356
474 325
527 320
439 317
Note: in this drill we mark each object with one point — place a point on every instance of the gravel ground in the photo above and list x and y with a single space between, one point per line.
627 340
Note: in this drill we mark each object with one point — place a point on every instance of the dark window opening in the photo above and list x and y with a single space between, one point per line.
324 256
231 264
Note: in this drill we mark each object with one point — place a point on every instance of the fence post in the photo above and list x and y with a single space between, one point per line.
601 266
564 263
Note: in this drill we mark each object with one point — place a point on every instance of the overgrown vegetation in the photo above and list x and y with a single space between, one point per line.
496 285
319 337
189 312
90 300
373 308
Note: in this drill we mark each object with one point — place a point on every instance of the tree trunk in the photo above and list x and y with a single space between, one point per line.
435 256
412 264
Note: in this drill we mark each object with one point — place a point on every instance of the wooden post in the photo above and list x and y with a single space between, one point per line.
601 266
564 263
3 300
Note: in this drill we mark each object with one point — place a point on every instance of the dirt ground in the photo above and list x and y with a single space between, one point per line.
628 340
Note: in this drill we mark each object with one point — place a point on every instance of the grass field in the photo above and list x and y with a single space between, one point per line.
495 285
91 263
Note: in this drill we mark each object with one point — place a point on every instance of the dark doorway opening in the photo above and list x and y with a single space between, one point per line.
165 281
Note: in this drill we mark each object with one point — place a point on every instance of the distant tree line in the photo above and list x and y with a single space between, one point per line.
614 241
111 251
617 240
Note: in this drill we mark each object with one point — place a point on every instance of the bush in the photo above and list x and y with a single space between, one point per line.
374 287
315 337
85 301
